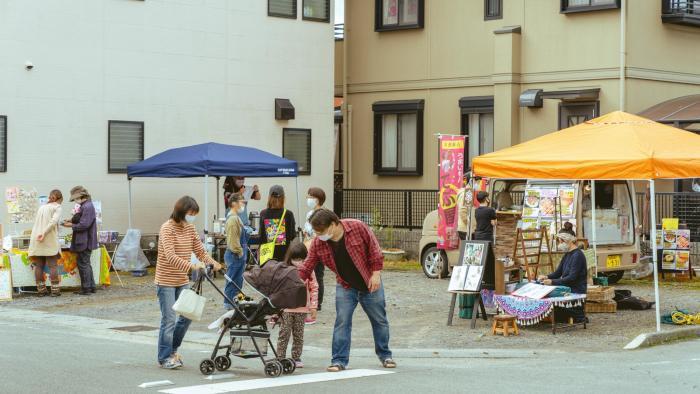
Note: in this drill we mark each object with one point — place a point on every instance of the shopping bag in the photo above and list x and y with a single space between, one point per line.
190 305
267 250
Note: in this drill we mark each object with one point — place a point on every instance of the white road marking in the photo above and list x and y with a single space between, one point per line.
254 384
221 376
158 383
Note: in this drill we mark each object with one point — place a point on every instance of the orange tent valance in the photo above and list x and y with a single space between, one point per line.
614 146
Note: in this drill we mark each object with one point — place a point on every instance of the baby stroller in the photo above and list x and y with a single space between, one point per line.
246 324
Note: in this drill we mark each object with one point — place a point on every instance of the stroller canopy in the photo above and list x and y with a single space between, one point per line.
280 283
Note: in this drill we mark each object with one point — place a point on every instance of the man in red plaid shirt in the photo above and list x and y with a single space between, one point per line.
351 250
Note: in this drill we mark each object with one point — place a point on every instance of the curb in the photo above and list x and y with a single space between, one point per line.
659 338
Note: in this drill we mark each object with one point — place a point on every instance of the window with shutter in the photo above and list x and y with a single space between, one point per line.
125 144
296 145
282 8
317 10
3 143
493 9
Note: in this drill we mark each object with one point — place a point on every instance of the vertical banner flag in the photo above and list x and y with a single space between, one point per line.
451 180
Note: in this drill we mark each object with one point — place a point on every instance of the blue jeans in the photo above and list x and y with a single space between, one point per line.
171 332
374 305
235 266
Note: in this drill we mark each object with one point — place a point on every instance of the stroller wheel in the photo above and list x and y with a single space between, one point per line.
206 367
273 368
288 366
222 363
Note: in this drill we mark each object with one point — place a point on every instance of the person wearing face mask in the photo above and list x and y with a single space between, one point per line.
236 184
485 218
235 256
315 198
277 220
177 240
349 248
84 239
572 271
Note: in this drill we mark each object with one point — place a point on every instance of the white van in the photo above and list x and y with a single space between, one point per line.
617 223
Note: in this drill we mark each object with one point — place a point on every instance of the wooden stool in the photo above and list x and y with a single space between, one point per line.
504 324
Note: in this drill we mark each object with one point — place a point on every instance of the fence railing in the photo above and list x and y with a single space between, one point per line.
408 208
690 7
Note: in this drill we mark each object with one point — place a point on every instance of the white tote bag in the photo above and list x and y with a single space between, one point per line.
190 305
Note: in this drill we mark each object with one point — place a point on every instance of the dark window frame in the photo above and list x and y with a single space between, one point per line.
327 19
111 170
338 120
472 105
4 148
565 9
284 133
488 17
684 16
278 15
596 105
398 107
379 25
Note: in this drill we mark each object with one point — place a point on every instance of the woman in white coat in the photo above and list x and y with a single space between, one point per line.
44 249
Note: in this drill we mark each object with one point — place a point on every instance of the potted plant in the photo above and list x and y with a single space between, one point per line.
392 253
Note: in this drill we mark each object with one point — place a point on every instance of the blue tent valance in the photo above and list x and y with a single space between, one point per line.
213 159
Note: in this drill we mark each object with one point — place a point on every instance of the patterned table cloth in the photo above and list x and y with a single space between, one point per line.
528 311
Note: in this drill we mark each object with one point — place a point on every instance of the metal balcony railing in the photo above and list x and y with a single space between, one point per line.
682 12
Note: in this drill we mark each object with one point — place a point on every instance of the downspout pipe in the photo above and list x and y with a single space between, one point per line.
623 50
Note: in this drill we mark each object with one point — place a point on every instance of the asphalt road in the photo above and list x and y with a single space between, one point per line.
77 356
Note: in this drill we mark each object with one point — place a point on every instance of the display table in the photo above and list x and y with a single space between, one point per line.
528 311
23 268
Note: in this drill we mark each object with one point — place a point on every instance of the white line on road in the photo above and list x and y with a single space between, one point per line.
220 376
254 384
158 383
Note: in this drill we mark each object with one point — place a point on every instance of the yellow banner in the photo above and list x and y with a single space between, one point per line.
453 144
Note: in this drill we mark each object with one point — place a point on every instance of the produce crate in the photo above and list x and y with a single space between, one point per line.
600 294
601 307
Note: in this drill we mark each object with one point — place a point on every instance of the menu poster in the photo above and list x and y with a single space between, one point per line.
567 200
668 260
682 260
682 239
548 202
669 239
531 212
466 278
532 198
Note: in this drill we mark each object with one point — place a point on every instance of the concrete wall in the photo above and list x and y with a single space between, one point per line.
458 55
194 71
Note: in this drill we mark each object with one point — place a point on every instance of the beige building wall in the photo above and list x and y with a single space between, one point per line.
457 54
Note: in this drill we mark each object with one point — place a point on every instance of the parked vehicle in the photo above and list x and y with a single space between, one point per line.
618 239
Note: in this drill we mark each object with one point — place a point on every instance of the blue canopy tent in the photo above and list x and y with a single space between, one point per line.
211 159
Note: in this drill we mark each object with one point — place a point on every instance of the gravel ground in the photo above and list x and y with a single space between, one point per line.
417 309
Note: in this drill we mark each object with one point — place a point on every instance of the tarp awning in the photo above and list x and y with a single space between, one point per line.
213 159
614 146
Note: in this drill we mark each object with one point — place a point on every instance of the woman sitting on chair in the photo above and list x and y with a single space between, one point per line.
572 271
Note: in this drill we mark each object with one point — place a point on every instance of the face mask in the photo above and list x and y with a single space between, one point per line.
190 218
297 261
241 209
311 202
563 247
324 237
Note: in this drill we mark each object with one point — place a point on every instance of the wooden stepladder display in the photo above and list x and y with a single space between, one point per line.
528 249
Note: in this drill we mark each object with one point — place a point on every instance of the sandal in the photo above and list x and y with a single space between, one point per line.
389 363
335 368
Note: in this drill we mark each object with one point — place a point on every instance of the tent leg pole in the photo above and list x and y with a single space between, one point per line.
206 204
296 180
653 254
218 206
594 227
129 203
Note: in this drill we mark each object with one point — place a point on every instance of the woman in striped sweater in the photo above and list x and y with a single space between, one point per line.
177 241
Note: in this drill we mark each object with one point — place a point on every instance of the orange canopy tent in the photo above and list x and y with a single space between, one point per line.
616 146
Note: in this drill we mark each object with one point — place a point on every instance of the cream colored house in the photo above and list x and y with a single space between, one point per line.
90 86
500 72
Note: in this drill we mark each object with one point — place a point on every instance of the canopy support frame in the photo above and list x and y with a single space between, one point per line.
657 307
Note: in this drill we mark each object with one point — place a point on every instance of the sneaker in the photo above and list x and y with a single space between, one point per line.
309 321
171 363
299 364
178 357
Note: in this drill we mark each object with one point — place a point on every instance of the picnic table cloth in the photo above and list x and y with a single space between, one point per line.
528 311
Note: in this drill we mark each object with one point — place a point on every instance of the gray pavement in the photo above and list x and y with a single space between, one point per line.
45 353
